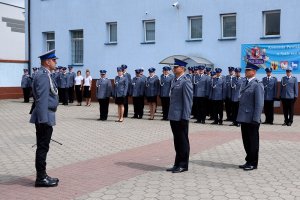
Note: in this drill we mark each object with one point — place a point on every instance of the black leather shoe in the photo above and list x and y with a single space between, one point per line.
179 170
134 117
284 124
198 122
243 166
202 122
289 124
171 169
249 167
215 122
220 122
46 182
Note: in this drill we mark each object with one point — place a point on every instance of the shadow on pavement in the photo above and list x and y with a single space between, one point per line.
16 180
219 165
141 166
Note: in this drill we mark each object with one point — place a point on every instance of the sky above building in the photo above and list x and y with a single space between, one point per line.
20 3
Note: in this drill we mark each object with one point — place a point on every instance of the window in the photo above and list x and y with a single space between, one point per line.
77 47
271 23
195 28
228 26
149 31
112 32
50 41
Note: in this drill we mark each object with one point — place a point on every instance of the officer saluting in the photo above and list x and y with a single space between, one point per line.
181 98
43 116
270 87
250 109
103 92
288 96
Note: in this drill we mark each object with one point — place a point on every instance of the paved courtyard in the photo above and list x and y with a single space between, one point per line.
109 160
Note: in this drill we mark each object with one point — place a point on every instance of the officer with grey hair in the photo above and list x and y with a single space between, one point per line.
43 116
181 100
250 109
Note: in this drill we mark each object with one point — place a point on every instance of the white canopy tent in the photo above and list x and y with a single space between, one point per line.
191 60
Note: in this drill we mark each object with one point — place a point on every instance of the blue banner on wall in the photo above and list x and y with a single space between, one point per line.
277 56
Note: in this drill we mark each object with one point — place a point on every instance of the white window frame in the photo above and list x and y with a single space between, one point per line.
222 28
145 31
190 27
47 41
78 39
109 24
264 22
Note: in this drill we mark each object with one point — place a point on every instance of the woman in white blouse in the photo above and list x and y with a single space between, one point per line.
87 87
78 87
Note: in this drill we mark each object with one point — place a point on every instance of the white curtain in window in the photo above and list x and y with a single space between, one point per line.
196 28
150 31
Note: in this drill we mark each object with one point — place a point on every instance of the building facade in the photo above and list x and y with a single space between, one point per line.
105 34
12 49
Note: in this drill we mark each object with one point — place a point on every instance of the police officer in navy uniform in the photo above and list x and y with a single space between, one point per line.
270 88
165 85
103 93
217 95
235 87
120 92
152 91
209 112
128 76
249 115
137 92
43 116
64 85
71 76
228 102
288 96
26 83
181 99
34 72
201 83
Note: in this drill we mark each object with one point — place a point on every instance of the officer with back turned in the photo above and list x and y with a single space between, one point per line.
26 83
43 116
250 109
181 99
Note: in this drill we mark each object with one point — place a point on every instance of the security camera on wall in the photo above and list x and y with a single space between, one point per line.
176 4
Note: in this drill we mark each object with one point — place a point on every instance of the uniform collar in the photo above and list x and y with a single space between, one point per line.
250 79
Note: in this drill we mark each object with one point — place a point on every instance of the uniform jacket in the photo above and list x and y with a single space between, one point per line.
235 87
190 76
165 85
218 88
137 87
121 86
270 88
46 101
103 88
152 86
228 79
289 88
64 80
26 81
201 85
181 99
71 76
251 102
128 76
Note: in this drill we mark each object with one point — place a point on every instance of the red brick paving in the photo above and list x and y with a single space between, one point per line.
87 176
